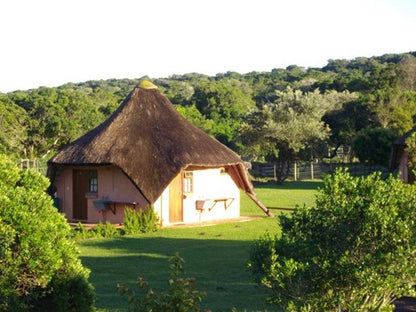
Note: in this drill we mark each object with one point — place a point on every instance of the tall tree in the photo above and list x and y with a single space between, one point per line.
373 145
225 104
13 120
55 117
346 120
280 130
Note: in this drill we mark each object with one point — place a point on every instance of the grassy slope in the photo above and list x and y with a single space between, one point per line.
215 255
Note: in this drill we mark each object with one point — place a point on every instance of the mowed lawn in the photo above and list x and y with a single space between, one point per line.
215 255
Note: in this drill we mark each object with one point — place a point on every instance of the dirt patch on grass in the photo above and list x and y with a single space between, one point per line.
214 222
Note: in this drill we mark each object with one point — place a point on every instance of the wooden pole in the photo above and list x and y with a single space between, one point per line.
282 208
295 171
258 203
312 173
274 172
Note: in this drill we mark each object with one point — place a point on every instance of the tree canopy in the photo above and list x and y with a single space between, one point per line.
259 114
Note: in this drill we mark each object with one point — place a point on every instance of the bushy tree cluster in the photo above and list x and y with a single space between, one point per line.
353 251
39 265
295 108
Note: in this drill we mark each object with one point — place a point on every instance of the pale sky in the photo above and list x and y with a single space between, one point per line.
52 42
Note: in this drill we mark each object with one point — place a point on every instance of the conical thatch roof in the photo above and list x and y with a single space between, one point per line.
151 143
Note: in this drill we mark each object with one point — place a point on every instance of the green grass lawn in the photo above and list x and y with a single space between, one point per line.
286 195
215 255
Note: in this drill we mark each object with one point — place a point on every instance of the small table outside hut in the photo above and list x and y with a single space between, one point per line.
226 200
107 204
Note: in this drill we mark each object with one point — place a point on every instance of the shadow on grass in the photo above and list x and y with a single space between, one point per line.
219 266
291 185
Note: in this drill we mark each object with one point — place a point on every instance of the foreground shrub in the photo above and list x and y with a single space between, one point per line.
181 294
38 263
70 292
354 251
140 221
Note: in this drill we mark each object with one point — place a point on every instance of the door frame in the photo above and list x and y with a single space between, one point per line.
80 187
176 199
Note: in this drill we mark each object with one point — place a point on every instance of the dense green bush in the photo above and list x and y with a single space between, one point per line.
354 251
181 294
135 221
38 262
80 232
107 230
70 292
140 221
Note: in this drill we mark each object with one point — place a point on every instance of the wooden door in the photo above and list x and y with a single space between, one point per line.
81 184
176 200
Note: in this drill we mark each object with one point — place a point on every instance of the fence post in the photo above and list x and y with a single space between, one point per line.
35 164
274 172
295 171
312 173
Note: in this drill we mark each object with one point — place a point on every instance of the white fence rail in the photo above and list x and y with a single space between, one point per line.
39 165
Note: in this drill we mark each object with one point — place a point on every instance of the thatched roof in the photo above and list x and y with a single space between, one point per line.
401 140
151 143
399 145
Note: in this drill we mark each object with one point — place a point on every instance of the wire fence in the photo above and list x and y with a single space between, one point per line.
298 171
40 165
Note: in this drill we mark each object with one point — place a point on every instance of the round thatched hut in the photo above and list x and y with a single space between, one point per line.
147 154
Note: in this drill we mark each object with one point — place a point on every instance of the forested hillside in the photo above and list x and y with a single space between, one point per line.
279 115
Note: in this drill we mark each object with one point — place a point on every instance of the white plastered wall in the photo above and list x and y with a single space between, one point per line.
161 207
214 193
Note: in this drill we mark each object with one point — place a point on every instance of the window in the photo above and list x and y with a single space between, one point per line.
188 183
93 181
